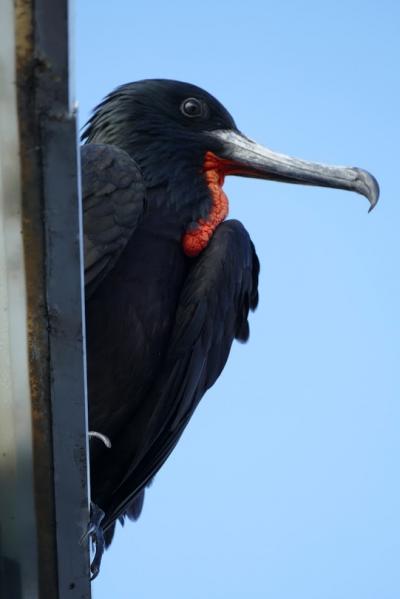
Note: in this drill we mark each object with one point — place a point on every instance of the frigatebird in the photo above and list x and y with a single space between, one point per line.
169 282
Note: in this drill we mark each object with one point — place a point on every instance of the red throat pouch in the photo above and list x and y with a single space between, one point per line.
195 240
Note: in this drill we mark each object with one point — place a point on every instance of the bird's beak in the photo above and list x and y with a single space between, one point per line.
240 155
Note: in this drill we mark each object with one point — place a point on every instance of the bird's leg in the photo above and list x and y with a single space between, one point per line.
96 535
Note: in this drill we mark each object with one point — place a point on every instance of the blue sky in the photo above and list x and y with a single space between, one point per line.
285 483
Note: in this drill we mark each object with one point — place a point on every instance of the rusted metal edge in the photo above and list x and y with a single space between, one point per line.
52 231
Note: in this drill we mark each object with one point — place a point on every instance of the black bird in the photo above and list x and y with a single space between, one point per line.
169 281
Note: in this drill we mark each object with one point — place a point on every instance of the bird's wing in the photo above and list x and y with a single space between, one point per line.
213 309
113 197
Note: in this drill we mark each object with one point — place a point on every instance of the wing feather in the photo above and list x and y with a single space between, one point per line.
114 201
213 310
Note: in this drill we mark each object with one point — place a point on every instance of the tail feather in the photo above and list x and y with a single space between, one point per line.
132 512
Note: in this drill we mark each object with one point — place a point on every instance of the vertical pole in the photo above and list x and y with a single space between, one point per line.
43 418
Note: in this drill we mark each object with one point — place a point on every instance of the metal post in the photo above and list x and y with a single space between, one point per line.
43 420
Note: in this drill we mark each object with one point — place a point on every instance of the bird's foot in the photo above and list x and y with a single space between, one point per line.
96 535
94 530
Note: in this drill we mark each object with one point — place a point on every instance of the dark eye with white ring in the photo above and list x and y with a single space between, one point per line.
192 107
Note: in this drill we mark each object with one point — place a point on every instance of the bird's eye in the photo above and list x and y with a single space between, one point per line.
192 107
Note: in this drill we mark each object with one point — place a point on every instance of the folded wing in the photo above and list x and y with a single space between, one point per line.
113 197
213 310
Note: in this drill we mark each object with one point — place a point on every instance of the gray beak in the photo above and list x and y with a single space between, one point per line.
244 157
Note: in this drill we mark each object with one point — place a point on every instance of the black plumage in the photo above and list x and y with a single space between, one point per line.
160 324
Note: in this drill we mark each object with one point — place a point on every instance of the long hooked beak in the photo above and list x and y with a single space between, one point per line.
242 156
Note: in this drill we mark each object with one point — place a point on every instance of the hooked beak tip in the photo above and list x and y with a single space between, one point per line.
368 186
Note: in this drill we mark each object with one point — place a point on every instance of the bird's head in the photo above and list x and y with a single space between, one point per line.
184 139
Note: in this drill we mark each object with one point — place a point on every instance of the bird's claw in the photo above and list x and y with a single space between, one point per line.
100 436
96 535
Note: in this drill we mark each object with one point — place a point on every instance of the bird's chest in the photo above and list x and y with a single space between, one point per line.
129 321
